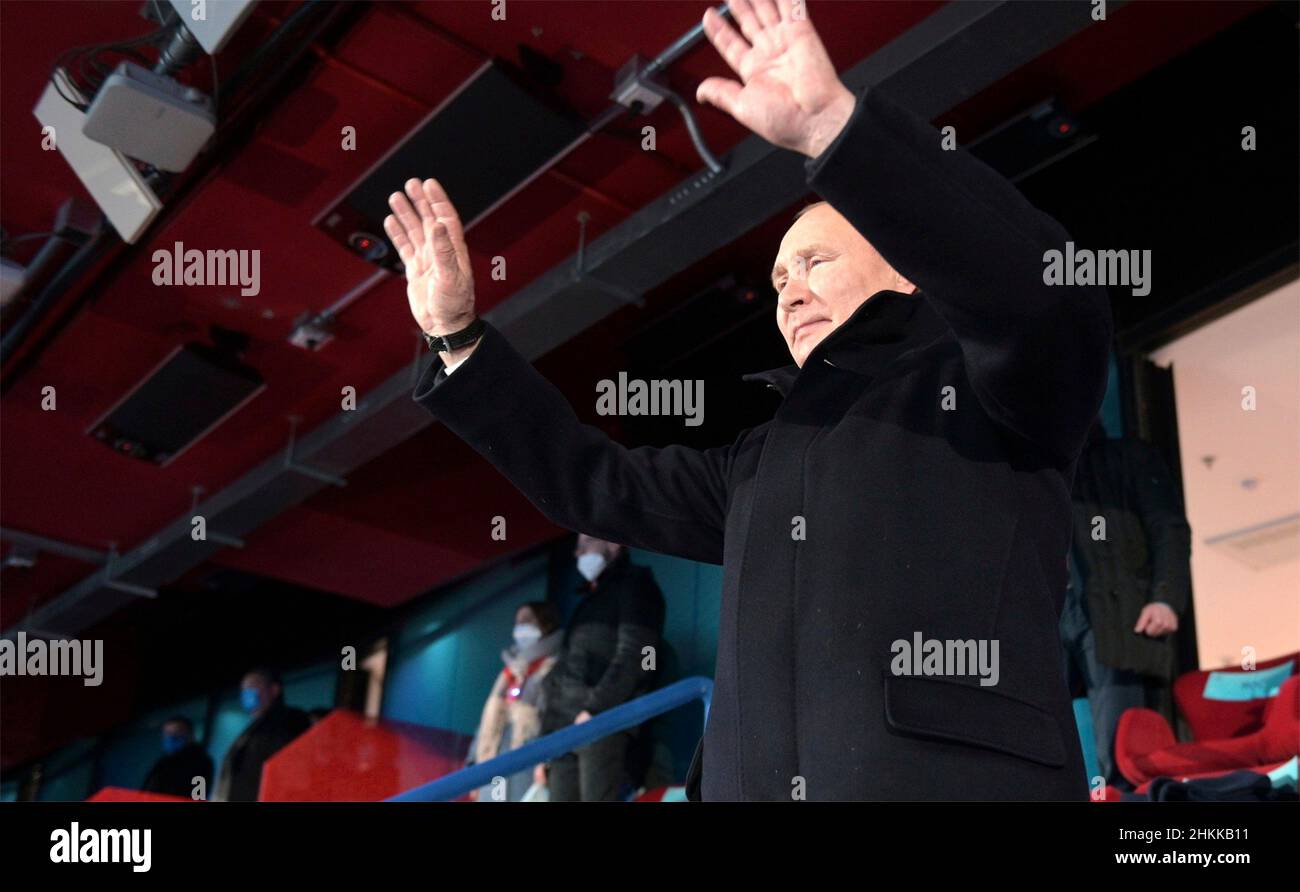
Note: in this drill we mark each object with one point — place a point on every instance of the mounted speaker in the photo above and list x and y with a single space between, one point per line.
185 397
1031 141
484 143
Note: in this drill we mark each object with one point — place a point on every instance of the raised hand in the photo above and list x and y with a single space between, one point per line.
428 235
788 93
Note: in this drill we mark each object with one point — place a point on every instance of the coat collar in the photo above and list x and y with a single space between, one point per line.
887 325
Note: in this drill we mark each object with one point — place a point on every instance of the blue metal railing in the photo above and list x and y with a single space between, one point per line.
621 717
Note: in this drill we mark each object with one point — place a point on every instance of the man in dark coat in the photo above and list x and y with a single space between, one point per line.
603 662
1130 580
912 491
183 761
274 725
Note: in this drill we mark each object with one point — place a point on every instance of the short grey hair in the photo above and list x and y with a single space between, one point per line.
815 204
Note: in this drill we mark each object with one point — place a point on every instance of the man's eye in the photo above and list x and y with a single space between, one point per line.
814 261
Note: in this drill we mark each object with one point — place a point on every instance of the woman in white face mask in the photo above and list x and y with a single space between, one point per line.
511 716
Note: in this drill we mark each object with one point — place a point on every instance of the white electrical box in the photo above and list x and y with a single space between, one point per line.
150 117
110 177
212 22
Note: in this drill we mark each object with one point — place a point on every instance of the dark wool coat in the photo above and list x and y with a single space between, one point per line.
1144 556
599 665
241 771
925 450
174 773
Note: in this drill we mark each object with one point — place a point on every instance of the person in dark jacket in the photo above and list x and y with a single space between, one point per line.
603 662
912 490
182 764
273 726
1129 582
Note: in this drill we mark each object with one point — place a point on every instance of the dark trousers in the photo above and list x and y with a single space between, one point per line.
1110 690
593 773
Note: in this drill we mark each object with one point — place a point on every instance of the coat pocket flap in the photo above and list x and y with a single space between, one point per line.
948 710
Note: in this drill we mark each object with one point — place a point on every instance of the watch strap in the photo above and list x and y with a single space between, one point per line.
457 339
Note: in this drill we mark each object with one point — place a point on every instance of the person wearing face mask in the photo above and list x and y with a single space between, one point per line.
273 726
182 762
600 666
512 714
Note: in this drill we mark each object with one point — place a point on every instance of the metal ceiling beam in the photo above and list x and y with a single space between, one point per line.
957 52
52 546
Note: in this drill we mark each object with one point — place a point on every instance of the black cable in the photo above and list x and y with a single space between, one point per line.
74 59
216 93
64 62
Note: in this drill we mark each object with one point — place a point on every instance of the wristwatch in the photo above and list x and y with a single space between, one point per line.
454 341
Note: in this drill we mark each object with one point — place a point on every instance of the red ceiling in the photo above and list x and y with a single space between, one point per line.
421 514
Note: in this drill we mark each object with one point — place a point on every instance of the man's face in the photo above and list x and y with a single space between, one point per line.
266 689
175 737
176 729
824 271
591 545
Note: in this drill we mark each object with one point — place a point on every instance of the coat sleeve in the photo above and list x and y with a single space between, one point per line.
1169 538
640 622
1036 354
671 500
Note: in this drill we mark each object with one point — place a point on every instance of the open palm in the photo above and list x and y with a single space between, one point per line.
788 92
427 232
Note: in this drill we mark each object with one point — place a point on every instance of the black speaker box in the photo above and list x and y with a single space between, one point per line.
186 395
483 143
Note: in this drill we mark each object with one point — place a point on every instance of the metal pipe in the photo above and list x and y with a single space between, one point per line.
180 51
680 46
77 264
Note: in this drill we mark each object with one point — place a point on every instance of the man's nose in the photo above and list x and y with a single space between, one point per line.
794 294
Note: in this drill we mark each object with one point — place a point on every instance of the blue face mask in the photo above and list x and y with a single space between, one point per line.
173 743
250 699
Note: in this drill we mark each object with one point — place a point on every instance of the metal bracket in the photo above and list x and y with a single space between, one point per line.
635 88
223 539
291 464
131 588
117 584
582 275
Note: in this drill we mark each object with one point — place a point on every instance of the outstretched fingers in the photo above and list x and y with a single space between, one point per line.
730 45
397 235
442 251
719 92
406 218
443 209
743 12
766 12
